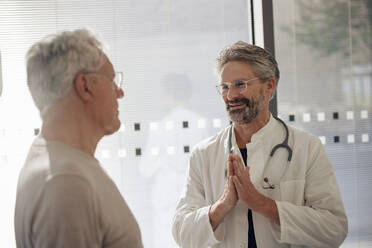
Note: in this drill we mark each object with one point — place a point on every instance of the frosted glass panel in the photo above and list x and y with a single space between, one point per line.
324 51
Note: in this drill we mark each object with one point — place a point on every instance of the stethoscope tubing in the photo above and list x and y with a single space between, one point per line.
284 144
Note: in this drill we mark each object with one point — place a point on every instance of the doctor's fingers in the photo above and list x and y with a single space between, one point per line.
231 185
238 170
236 157
240 188
231 159
240 162
244 177
241 167
236 161
230 168
247 171
229 190
247 193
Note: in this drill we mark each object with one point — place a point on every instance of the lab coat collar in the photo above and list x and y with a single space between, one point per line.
266 130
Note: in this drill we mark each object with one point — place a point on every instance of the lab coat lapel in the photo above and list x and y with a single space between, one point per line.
255 161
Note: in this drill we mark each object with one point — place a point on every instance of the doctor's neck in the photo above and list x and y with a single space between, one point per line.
244 132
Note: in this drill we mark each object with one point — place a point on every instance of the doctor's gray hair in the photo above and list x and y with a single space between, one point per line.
263 63
53 63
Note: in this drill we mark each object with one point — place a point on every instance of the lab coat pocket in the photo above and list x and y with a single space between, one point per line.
293 191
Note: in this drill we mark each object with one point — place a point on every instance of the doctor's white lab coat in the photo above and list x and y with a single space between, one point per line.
306 192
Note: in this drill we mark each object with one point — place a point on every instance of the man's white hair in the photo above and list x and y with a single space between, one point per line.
53 63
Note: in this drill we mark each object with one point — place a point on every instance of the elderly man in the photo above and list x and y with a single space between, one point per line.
258 183
64 197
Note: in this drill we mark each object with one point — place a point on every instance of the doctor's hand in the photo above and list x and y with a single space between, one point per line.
225 203
248 193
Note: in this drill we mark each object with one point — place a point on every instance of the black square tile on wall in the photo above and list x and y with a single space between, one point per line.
137 126
36 131
138 152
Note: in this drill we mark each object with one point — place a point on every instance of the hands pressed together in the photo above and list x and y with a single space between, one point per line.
239 186
244 188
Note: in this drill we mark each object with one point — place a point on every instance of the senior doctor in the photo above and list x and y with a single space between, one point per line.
240 192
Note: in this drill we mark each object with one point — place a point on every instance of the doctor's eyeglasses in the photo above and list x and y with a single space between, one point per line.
239 85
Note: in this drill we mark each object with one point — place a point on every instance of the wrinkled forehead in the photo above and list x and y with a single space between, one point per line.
236 70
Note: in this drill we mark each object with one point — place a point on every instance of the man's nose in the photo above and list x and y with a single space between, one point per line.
119 93
232 93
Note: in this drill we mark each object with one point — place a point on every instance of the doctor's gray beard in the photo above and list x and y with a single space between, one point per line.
249 113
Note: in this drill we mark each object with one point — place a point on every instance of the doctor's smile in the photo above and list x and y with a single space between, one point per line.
236 104
239 104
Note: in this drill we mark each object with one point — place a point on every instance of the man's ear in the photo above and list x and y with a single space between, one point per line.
83 87
271 85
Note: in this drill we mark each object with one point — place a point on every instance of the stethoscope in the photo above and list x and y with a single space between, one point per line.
284 144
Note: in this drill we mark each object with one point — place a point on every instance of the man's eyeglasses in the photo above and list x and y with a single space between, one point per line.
239 85
118 77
